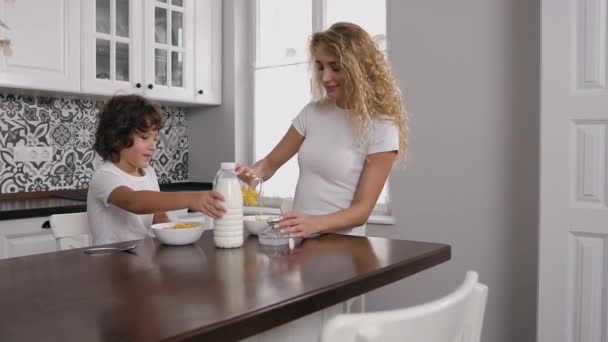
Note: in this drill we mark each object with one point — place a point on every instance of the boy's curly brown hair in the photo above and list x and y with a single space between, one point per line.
120 118
371 90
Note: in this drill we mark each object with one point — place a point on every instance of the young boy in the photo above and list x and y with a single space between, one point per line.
124 197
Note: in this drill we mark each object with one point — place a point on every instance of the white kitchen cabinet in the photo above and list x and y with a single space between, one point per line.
208 42
167 50
25 237
45 44
112 47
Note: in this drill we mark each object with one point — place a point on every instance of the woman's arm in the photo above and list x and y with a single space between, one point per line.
285 149
373 176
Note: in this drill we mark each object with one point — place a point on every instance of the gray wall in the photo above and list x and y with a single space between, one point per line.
469 71
223 133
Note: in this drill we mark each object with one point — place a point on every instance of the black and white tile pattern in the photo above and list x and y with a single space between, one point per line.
68 126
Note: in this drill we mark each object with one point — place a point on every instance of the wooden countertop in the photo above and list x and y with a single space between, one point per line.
26 208
195 292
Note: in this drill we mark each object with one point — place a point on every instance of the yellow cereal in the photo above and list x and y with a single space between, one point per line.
183 225
250 196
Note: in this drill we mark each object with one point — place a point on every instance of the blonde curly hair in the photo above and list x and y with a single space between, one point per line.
370 90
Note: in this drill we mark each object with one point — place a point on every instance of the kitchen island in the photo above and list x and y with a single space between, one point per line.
198 292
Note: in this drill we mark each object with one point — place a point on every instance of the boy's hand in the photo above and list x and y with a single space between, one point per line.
209 203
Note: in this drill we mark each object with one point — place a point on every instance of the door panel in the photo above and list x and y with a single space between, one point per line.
573 204
44 55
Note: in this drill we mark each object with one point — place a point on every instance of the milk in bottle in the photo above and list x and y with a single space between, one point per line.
228 231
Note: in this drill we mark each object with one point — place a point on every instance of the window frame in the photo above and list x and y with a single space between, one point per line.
382 213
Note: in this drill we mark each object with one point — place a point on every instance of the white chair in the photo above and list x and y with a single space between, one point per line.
457 317
71 230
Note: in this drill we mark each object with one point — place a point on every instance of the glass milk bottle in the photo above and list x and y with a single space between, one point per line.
228 231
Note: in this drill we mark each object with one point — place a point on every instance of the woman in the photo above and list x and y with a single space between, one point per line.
347 139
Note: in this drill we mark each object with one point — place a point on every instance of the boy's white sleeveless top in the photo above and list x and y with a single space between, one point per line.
108 223
331 158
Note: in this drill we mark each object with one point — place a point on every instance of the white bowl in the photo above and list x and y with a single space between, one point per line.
256 224
181 236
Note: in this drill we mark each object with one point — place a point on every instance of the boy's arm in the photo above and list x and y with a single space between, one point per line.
151 202
161 217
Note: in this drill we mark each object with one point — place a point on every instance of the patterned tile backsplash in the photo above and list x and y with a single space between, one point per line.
68 127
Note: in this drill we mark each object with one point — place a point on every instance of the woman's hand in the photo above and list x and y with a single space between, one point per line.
208 202
246 174
299 225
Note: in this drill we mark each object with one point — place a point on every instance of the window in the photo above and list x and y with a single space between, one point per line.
371 15
281 62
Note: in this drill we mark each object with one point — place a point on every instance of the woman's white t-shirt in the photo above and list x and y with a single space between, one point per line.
109 223
332 156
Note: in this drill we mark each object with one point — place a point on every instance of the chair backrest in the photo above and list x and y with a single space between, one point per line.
457 317
71 230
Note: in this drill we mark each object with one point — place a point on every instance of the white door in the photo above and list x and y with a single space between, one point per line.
45 44
573 240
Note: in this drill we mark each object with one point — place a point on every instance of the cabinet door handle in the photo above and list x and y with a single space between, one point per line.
150 86
200 91
138 85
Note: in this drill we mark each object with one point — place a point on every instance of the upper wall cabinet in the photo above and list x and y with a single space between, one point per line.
45 44
169 49
112 46
165 49
208 42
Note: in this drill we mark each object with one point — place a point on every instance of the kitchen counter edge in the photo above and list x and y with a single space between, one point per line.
46 203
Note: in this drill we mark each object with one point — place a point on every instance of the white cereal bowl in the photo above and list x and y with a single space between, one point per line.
256 224
181 236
